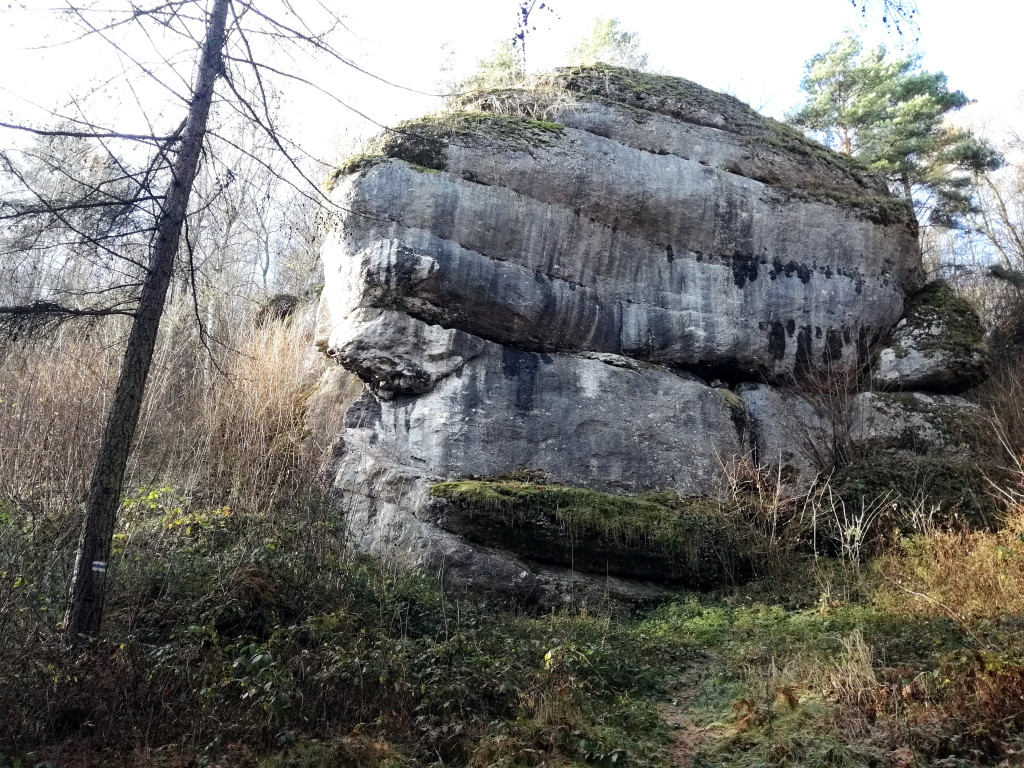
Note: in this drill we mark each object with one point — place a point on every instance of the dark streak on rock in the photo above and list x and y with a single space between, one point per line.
744 269
833 346
803 350
789 269
363 412
521 366
777 341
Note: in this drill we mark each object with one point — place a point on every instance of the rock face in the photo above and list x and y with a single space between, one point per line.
556 295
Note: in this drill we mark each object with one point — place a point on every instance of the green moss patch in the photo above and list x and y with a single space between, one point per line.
936 305
885 211
956 493
661 521
655 536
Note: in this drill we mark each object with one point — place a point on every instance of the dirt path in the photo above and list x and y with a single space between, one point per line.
685 737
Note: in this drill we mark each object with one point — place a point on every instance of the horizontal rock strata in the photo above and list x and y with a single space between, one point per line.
557 295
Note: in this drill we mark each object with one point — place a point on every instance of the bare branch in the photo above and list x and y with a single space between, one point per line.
88 134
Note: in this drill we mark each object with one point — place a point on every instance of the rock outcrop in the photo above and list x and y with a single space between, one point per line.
939 345
578 297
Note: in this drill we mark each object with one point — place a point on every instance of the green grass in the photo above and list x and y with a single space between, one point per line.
258 640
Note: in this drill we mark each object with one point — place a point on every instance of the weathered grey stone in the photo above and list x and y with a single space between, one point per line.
725 243
789 431
395 353
389 513
579 421
524 295
939 345
807 435
614 426
914 421
751 283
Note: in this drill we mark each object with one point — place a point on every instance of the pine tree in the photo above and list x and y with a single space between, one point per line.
893 116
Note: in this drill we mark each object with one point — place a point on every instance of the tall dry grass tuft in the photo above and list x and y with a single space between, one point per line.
1002 398
52 397
239 439
218 437
230 429
771 516
964 575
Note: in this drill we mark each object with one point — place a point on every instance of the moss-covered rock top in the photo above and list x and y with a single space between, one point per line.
675 97
944 323
509 117
643 94
423 143
685 100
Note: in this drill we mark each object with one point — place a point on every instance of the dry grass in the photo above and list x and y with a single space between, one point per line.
230 428
217 437
773 519
960 574
52 397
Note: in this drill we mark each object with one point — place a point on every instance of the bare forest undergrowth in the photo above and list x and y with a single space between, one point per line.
241 632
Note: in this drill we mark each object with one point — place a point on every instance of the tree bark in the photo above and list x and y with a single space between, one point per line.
88 583
908 191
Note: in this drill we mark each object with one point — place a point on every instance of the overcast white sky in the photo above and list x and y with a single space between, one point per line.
754 49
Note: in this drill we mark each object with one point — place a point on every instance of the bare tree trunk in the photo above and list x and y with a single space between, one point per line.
88 583
908 190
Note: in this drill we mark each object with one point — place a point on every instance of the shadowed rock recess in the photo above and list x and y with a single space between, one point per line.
547 282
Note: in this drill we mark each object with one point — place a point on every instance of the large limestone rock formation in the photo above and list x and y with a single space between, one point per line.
558 296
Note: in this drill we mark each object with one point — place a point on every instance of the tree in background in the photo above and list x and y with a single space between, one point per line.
892 115
91 233
893 13
608 44
1000 216
72 215
502 69
505 66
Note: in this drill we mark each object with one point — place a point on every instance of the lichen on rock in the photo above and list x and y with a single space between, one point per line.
919 422
938 345
423 143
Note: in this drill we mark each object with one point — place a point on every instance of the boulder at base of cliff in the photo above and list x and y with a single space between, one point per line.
939 345
790 431
914 421
913 458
